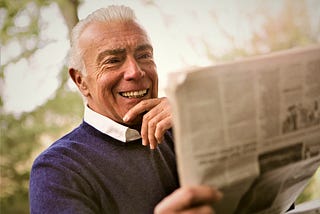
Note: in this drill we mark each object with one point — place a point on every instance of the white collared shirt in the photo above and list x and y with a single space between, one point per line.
110 127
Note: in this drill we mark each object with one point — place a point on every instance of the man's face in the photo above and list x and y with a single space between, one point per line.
120 68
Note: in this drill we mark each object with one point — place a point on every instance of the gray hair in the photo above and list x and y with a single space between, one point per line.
108 15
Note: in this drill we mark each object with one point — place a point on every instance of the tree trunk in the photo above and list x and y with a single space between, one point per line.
69 10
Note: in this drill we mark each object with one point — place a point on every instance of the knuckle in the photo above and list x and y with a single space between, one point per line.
143 103
163 99
160 127
146 117
189 195
144 134
152 123
159 130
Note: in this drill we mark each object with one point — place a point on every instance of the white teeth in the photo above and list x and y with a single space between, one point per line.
134 94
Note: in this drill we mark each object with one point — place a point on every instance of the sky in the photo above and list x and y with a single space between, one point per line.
176 28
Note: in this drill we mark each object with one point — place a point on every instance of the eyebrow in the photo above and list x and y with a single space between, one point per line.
105 53
144 47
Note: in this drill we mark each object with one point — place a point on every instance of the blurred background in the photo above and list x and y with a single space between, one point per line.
38 102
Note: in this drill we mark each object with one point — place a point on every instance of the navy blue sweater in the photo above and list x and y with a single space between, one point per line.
87 171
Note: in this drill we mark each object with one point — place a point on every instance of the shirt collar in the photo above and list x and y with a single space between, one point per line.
110 127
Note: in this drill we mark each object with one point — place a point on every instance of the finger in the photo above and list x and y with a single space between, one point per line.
141 107
199 195
187 197
157 124
162 127
151 130
204 209
144 130
150 123
148 128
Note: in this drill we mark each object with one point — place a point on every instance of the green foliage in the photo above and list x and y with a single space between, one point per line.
289 28
21 23
17 136
15 9
23 137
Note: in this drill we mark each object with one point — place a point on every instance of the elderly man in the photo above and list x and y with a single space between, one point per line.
104 166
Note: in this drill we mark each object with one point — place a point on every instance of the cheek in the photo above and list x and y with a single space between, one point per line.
108 84
154 78
151 70
103 86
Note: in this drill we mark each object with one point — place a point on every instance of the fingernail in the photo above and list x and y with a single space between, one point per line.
159 141
152 146
125 118
144 143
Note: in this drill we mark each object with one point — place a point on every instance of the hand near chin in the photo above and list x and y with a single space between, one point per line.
156 120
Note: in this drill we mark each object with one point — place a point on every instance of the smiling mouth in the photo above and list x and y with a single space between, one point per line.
134 94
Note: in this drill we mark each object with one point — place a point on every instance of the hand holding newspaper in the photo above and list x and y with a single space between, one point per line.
250 128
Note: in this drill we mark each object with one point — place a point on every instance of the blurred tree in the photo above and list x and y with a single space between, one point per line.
21 138
291 27
24 136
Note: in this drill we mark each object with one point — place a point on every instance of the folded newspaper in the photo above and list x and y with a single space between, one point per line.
250 128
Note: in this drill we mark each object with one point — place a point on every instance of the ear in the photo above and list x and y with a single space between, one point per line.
80 81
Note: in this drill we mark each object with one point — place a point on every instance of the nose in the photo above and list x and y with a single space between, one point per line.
132 70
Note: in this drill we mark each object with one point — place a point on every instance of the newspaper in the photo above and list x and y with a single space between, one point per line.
250 128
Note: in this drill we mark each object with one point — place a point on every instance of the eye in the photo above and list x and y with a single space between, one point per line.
112 60
144 56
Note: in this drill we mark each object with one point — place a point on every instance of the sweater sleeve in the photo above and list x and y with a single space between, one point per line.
56 186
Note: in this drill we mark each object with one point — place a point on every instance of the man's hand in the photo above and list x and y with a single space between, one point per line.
196 199
155 122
